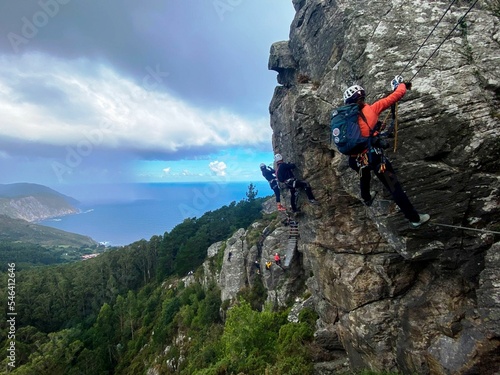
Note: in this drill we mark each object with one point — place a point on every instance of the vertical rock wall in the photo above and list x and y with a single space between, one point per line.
415 301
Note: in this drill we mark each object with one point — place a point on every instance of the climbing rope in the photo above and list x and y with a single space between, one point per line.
394 107
465 228
447 36
395 127
384 122
428 36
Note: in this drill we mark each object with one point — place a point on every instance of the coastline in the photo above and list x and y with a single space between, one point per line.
130 212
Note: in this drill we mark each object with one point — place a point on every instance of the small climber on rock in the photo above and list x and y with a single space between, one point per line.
270 175
277 259
285 175
257 267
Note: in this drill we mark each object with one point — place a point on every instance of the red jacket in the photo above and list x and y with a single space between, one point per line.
372 111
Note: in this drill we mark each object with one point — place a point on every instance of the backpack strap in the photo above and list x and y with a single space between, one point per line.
362 115
372 131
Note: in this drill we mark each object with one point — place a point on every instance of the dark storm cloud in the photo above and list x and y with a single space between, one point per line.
211 55
98 85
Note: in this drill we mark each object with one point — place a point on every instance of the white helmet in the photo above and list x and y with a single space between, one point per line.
262 165
353 93
278 158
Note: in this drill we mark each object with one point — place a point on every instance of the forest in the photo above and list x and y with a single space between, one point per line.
116 312
28 254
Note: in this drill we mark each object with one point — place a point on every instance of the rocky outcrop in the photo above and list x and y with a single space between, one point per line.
243 262
420 301
233 276
33 208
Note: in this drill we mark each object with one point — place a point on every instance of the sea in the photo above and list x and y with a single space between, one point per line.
119 214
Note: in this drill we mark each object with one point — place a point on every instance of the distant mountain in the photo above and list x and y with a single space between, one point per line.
33 202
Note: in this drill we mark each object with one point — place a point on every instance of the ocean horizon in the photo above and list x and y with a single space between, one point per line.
120 214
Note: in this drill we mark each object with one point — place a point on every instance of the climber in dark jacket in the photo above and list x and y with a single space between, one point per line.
373 159
285 175
270 175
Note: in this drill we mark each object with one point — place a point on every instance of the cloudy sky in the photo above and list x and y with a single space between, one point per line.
129 91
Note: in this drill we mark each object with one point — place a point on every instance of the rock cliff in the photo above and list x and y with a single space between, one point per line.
389 297
32 202
416 301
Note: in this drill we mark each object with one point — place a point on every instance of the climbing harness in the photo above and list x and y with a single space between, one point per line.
464 228
381 166
291 182
362 160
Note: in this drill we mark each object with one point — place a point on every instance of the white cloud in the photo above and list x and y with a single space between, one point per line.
166 170
54 103
218 167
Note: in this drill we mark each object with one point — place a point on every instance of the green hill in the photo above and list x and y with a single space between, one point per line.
18 230
23 189
30 244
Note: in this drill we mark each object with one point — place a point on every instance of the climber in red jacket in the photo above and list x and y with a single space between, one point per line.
277 259
373 158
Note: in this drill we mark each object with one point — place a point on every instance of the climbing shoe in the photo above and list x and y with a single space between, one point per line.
424 218
281 207
369 202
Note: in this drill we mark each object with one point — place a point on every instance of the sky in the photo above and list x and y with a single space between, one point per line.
127 91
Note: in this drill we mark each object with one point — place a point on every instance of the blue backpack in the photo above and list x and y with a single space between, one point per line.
345 132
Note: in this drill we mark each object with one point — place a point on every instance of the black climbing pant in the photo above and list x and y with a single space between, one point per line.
293 185
388 179
274 185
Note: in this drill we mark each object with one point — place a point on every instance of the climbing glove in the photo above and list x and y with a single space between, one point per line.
396 81
408 85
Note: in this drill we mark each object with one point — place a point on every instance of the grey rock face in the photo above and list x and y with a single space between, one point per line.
31 208
415 301
233 276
